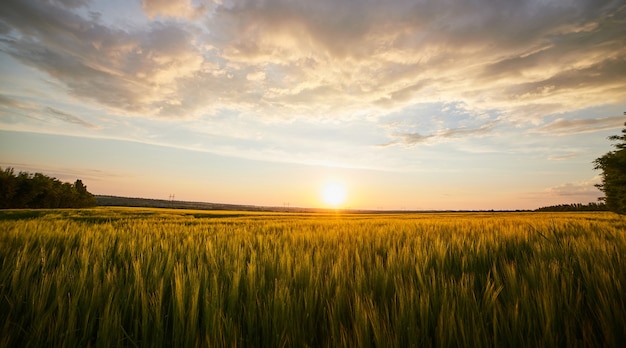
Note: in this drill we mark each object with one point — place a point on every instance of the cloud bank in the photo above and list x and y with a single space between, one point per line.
328 58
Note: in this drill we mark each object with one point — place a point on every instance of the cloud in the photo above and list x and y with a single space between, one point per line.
564 126
449 133
562 157
65 117
17 110
72 4
579 188
180 8
280 59
338 57
9 102
599 77
130 71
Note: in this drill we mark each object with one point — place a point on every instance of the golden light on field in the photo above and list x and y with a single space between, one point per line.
334 193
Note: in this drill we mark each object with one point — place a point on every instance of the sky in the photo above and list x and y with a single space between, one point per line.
403 104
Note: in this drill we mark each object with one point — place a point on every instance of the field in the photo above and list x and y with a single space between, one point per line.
156 277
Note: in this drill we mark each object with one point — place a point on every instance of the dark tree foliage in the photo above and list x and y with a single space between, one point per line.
613 166
575 207
26 190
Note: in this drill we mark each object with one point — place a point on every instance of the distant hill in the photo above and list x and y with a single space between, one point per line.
104 200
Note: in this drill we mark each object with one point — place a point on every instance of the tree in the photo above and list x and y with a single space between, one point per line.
8 186
613 166
26 190
84 198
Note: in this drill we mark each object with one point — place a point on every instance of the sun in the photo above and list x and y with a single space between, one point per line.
334 194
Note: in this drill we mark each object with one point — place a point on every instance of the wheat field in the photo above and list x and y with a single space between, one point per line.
155 277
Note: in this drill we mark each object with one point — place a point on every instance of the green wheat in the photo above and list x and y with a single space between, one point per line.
147 277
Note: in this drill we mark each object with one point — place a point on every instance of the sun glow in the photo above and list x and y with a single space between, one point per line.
334 194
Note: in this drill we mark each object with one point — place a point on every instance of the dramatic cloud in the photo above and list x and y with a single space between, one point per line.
393 55
310 59
133 72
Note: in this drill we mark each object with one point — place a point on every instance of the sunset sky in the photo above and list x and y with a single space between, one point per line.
403 104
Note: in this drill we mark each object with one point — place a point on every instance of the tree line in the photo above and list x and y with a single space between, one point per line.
26 190
575 207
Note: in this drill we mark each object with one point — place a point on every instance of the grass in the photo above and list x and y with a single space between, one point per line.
157 277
